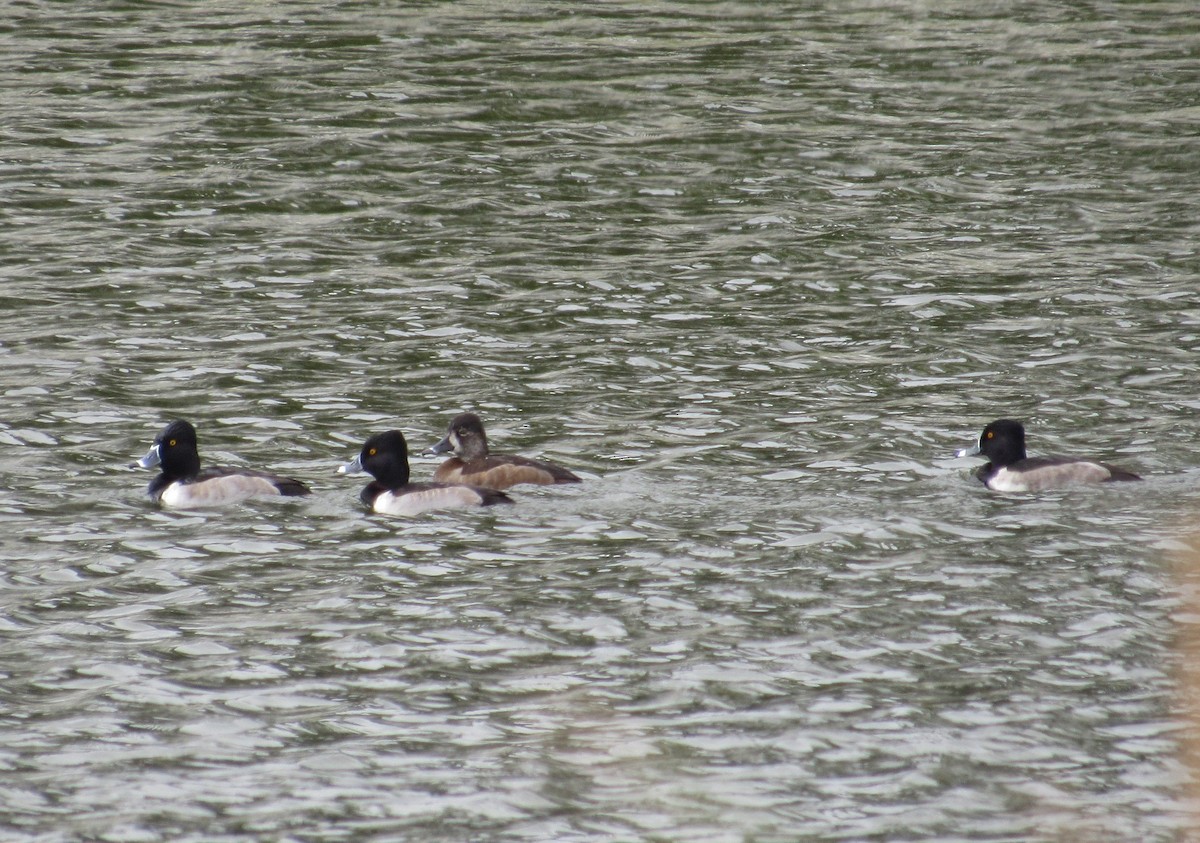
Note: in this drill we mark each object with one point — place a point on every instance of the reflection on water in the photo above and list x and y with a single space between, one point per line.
753 272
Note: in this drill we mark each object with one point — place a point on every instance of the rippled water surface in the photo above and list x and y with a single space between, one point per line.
754 271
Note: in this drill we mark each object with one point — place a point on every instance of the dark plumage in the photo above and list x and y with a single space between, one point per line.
1010 470
385 457
473 464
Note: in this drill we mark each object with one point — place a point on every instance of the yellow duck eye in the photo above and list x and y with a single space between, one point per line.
172 443
990 434
371 452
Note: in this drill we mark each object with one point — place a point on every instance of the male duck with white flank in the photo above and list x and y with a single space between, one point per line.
385 457
183 484
1010 470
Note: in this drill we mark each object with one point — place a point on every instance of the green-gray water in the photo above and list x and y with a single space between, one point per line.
753 270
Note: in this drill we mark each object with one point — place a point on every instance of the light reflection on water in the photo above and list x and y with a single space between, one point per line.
754 276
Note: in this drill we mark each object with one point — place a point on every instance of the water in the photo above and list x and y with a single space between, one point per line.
754 271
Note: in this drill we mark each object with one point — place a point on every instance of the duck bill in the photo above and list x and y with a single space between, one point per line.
153 457
973 451
352 467
441 447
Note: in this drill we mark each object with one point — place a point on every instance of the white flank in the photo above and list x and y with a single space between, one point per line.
217 491
1048 477
423 500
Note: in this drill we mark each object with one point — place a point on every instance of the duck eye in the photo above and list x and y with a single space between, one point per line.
172 443
990 434
371 452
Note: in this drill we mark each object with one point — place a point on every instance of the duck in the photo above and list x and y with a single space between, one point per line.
385 457
182 484
473 464
1010 470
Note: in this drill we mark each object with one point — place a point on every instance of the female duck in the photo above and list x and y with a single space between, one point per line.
385 457
473 464
1009 470
184 485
